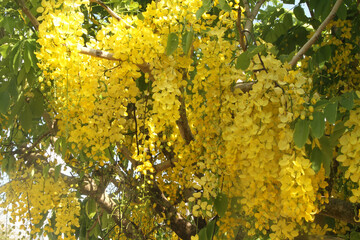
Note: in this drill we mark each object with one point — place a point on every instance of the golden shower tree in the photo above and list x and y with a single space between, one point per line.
181 119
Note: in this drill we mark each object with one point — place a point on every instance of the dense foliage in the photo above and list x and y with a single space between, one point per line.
190 119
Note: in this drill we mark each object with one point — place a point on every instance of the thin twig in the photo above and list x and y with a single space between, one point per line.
28 205
136 131
241 35
109 231
90 229
261 61
316 35
27 151
111 12
144 67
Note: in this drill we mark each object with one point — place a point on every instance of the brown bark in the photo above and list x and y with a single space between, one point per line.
341 210
182 227
90 188
27 12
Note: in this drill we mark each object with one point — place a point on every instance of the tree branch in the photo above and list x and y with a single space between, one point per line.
90 188
97 53
180 225
27 151
127 154
144 67
183 123
247 8
316 35
244 86
27 12
341 210
163 166
251 16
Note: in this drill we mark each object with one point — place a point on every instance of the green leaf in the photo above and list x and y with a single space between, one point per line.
16 62
316 158
347 100
289 1
95 232
327 151
320 104
202 234
21 76
57 172
300 14
90 208
200 12
301 132
28 58
187 39
280 29
3 50
318 124
288 21
221 204
140 16
354 235
206 6
338 131
210 229
8 24
243 61
4 164
172 43
330 112
46 171
271 36
4 102
106 220
37 105
25 117
324 54
253 50
342 12
11 164
321 8
223 5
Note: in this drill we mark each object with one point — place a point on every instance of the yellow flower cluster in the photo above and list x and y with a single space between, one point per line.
243 142
344 56
31 197
349 143
343 64
247 139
